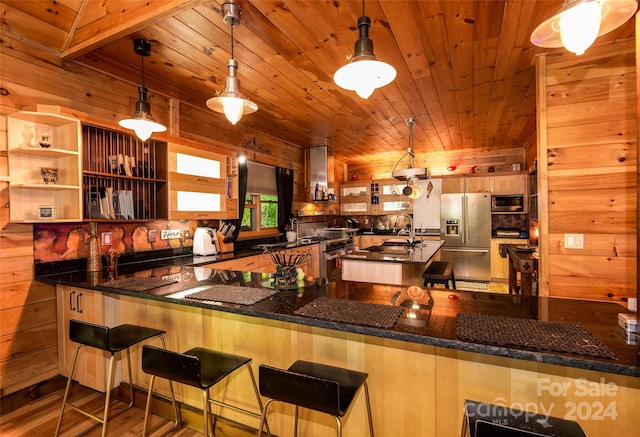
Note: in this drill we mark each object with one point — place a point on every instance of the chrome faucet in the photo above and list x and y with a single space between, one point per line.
412 231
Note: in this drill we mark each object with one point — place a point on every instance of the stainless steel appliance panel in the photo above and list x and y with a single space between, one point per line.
478 220
469 264
466 229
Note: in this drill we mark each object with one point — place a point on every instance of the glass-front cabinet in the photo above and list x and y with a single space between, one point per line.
355 198
390 199
374 197
202 184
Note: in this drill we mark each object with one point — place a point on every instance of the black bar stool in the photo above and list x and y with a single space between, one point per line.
198 367
439 272
487 420
318 387
111 340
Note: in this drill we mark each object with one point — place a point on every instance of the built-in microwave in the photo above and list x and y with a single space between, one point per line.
507 203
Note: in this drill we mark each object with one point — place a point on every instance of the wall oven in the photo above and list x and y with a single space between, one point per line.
507 203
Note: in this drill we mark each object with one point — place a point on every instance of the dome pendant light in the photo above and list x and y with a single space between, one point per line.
579 22
142 121
231 102
363 73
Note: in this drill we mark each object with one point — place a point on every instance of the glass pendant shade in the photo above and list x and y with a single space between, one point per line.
364 73
579 22
142 121
231 102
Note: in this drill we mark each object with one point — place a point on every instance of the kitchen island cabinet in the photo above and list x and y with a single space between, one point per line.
389 264
419 354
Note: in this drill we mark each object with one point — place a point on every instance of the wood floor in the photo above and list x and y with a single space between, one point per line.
38 418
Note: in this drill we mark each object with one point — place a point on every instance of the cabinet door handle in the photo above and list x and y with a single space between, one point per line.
71 307
202 180
249 264
78 302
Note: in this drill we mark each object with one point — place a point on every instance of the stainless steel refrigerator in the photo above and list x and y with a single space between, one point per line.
465 225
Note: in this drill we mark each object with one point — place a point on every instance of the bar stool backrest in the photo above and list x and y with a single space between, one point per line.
174 366
89 334
306 391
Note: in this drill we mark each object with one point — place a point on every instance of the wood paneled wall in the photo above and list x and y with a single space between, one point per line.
28 339
587 154
437 163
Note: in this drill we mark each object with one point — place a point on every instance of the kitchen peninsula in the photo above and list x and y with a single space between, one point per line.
420 352
396 262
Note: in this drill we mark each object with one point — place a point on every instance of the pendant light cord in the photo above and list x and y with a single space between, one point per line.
363 8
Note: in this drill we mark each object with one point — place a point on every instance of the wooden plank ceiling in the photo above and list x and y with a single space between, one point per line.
465 68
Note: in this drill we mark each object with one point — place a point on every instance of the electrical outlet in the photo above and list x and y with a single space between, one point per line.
106 238
169 234
187 233
153 234
574 241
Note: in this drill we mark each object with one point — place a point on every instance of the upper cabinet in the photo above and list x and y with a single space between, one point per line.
509 184
375 197
355 198
45 174
513 183
389 198
202 184
124 178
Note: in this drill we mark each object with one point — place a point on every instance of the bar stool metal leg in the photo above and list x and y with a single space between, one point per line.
111 340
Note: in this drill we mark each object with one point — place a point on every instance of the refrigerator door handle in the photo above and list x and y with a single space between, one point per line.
465 214
444 249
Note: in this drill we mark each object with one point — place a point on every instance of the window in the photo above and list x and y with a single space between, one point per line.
260 213
261 202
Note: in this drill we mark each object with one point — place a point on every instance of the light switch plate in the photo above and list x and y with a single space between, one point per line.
574 241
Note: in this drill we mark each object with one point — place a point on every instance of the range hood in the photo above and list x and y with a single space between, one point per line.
410 173
321 172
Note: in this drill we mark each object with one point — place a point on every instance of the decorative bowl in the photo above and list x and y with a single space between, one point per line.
49 174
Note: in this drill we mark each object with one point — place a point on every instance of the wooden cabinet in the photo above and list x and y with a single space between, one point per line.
311 268
376 197
478 184
499 265
124 178
202 184
453 185
355 198
254 263
37 141
390 199
508 184
93 307
496 184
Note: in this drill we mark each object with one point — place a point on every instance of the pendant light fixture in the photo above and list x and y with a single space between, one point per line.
410 174
141 121
231 102
579 22
363 73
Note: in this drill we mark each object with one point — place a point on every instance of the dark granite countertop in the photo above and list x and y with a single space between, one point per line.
430 319
420 254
